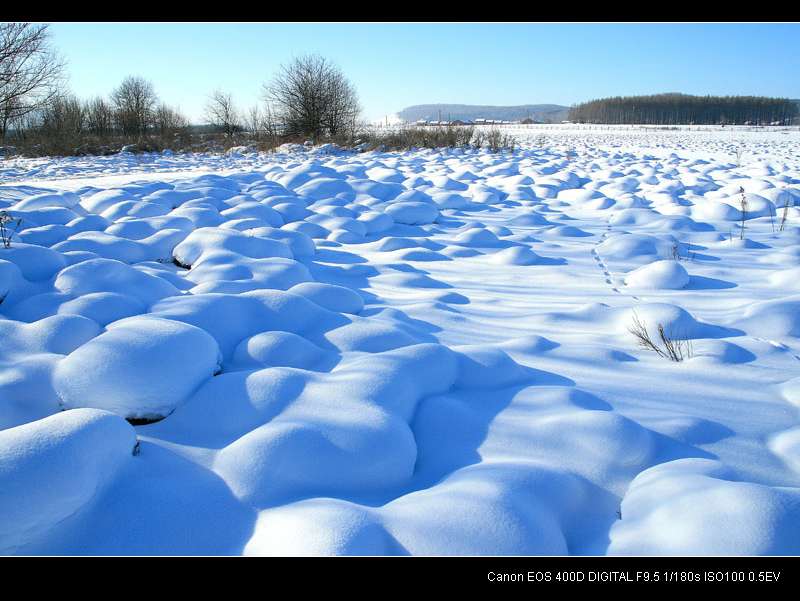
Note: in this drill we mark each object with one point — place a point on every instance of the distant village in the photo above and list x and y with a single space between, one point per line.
482 122
424 122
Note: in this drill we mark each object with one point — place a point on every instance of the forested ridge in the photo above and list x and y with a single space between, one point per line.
675 109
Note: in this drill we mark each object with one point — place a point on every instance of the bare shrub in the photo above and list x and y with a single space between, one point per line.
786 201
422 137
743 207
6 234
670 347
496 140
479 138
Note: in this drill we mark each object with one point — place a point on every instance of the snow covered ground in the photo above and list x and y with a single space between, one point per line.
405 353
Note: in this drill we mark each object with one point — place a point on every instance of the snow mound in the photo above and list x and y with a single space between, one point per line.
529 220
319 527
488 367
109 275
786 445
515 255
567 231
59 334
51 468
775 318
791 391
207 240
786 279
141 367
478 237
332 297
666 274
697 507
370 336
413 213
279 349
103 307
36 263
632 246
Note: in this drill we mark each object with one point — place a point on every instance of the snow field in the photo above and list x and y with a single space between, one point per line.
404 353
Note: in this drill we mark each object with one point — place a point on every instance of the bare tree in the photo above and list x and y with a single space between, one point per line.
63 119
221 113
343 107
99 117
134 103
168 120
254 122
312 97
270 125
30 71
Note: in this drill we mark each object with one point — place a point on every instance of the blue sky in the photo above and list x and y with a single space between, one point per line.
395 65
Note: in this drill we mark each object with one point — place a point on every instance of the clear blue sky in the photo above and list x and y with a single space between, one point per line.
395 65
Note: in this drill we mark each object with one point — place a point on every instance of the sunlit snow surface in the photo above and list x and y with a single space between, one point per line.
405 353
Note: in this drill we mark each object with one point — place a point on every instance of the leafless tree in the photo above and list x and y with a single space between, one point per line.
63 119
30 71
271 126
254 122
99 117
343 107
134 102
222 113
169 120
311 97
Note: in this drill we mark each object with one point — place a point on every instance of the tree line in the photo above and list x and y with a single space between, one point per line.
683 109
309 97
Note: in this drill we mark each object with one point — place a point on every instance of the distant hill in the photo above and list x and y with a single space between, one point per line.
537 112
